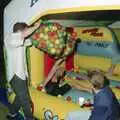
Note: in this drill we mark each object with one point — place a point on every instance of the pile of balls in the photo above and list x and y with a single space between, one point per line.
54 39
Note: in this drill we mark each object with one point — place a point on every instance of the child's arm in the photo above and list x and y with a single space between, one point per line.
115 61
81 87
110 70
53 70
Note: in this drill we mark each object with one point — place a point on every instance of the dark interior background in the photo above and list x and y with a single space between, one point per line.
103 15
3 3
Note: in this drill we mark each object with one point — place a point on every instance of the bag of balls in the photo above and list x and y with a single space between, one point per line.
54 39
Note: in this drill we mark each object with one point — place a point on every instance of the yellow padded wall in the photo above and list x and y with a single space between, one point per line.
36 66
87 36
59 106
117 69
88 62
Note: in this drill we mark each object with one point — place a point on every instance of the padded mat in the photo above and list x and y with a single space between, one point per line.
75 94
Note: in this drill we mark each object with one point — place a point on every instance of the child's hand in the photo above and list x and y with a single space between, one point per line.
59 61
110 70
92 90
116 60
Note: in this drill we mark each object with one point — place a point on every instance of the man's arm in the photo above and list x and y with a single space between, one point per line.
28 31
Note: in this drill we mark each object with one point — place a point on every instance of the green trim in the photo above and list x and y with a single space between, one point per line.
28 64
5 63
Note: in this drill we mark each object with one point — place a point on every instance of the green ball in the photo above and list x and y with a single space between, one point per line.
64 33
60 35
50 45
61 46
50 26
35 43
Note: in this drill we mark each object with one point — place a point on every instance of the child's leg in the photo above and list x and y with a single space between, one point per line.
56 90
63 89
51 88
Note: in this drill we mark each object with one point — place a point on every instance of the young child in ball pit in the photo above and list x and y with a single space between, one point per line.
56 78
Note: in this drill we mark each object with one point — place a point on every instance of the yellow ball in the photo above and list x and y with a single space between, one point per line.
45 37
54 28
46 29
41 35
57 42
52 51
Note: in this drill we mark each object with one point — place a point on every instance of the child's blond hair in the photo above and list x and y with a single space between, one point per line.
97 80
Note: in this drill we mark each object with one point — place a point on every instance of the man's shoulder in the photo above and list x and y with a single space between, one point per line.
105 95
14 36
9 36
104 91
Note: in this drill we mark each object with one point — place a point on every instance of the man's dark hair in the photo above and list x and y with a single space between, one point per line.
19 26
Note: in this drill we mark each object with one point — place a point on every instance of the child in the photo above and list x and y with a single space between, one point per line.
106 106
56 77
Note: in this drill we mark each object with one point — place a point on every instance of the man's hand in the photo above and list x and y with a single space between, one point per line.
37 24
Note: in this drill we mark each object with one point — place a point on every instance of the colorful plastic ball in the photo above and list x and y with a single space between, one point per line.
35 43
68 98
52 51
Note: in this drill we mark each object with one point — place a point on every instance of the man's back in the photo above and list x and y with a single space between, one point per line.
106 106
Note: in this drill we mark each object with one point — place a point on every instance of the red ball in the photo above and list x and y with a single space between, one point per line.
36 36
68 98
87 104
40 88
118 87
74 34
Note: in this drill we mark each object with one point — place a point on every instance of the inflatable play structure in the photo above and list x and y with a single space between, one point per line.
97 43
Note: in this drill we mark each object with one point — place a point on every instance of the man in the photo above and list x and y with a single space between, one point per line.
106 105
15 45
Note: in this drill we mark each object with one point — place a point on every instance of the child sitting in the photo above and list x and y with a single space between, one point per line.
56 78
53 86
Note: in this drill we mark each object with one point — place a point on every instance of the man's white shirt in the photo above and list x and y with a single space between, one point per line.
15 49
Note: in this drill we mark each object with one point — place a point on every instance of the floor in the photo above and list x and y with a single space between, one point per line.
3 112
